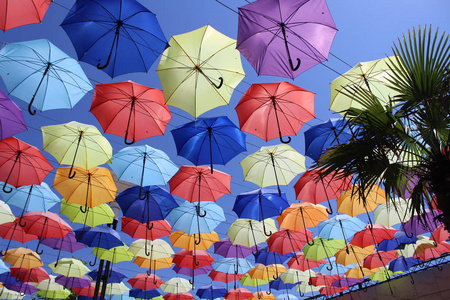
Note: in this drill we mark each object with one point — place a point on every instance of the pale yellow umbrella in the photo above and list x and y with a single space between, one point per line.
248 232
6 214
396 211
151 249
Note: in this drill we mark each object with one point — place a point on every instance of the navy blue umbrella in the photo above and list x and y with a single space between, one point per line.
209 141
260 204
144 294
211 291
399 241
266 257
322 136
278 284
114 276
117 36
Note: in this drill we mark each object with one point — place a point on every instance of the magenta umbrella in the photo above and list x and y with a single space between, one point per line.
272 34
11 118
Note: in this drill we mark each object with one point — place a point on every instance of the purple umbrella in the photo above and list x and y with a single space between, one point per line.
274 33
24 288
11 119
68 243
345 282
422 224
188 271
73 282
225 248
113 277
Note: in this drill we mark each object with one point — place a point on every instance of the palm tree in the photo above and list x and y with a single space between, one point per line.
403 145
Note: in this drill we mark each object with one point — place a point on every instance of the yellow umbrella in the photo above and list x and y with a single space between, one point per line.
89 188
262 295
360 272
22 257
115 255
248 232
97 215
76 144
69 267
273 165
199 70
350 203
249 281
183 240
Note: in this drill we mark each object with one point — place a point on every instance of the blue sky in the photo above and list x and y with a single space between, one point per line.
367 30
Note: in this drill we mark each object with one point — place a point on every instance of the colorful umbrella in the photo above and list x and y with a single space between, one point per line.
299 262
145 294
15 14
76 144
178 296
41 74
209 140
379 259
340 227
73 282
6 214
372 234
249 233
23 258
272 34
114 255
36 274
97 215
68 243
192 272
273 165
182 240
281 103
211 291
159 248
266 257
69 267
52 294
418 224
12 231
139 230
153 264
176 285
354 254
144 281
323 248
113 275
205 59
393 212
130 110
10 294
18 158
11 119
226 248
287 241
238 294
88 188
119 37
271 272
232 266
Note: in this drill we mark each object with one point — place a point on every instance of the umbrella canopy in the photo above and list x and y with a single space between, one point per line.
238 294
205 59
352 254
69 267
52 294
211 291
18 158
282 38
349 201
319 138
73 282
270 272
299 262
393 212
130 110
23 258
192 272
15 14
67 243
273 165
11 119
226 248
113 276
281 103
36 274
379 259
153 264
371 75
176 285
157 248
192 259
12 231
119 36
97 215
232 266
114 255
249 233
372 234
266 257
144 281
76 144
418 224
340 227
209 140
188 242
45 224
6 213
41 74
139 230
287 241
10 294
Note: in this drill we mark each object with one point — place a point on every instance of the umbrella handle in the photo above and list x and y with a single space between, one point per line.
95 262
71 175
6 189
294 68
330 210
126 140
292 65
191 281
220 84
140 194
31 112
198 212
20 222
149 227
408 234
285 141
83 210
148 272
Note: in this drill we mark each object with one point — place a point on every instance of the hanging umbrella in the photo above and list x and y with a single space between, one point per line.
270 272
224 277
49 284
116 288
323 248
354 255
340 227
159 248
88 188
52 294
182 240
178 296
393 212
232 265
139 230
73 282
260 204
226 248
113 275
144 281
23 288
69 267
11 119
403 264
425 222
76 144
209 140
68 243
248 232
281 103
379 259
176 285
114 255
199 183
192 272
97 215
119 36
205 59
41 74
145 294
273 165
192 259
262 295
144 166
6 214
130 110
86 291
13 232
372 234
286 241
6 293
211 291
371 75
266 257
238 294
18 158
153 264
255 282
299 262
36 274
281 38
155 206
23 258
440 234
319 138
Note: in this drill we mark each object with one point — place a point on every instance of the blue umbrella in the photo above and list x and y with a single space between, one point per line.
117 36
35 197
211 291
260 204
399 241
232 265
403 264
209 140
340 227
114 276
322 136
144 294
143 165
266 257
278 284
41 74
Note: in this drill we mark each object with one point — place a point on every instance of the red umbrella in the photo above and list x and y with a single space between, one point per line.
21 164
372 234
379 259
87 291
299 262
281 103
238 294
331 290
192 259
12 231
440 234
287 241
15 13
178 296
130 110
144 281
315 188
36 274
139 230
323 279
224 277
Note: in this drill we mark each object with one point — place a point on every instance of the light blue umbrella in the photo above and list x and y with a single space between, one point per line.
184 217
230 265
340 227
35 197
3 267
143 165
41 74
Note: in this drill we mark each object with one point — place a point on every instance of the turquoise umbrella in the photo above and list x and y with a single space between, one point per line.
41 74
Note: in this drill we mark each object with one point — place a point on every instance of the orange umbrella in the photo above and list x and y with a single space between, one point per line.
153 264
262 295
360 272
88 187
270 272
352 254
188 242
301 215
350 202
23 258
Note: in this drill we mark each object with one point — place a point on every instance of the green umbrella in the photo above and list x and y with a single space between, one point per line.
97 215
248 281
114 255
323 248
294 276
53 294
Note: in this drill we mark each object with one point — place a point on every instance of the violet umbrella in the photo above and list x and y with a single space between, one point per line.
11 118
273 33
73 282
68 243
192 272
423 223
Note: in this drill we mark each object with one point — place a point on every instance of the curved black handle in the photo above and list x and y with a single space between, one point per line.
330 211
409 235
220 84
72 175
148 272
20 222
95 262
127 142
294 68
100 67
149 227
31 112
201 215
9 190
83 210
145 194
285 141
